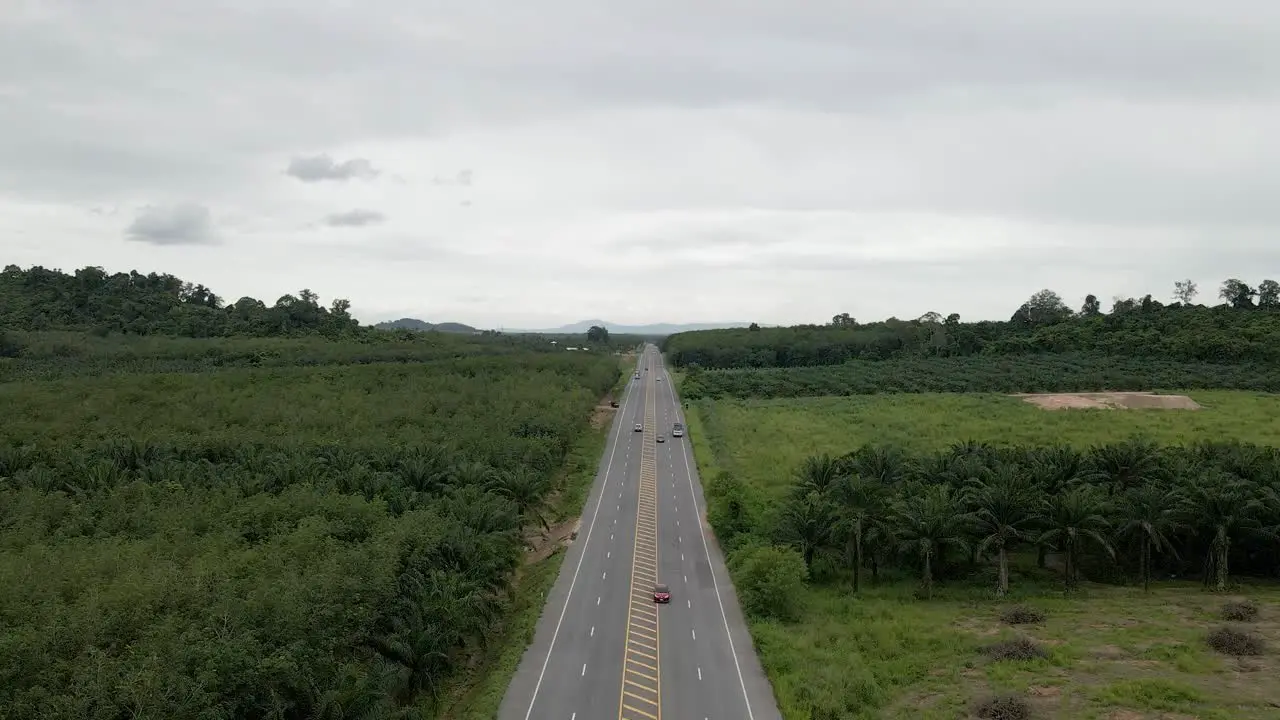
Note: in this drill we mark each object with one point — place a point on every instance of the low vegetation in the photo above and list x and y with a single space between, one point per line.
1064 372
356 524
907 516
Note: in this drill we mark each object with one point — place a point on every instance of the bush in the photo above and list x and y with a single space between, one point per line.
1243 611
1230 641
770 581
1003 707
1021 615
1017 649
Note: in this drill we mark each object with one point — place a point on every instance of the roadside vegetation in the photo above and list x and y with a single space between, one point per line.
908 543
345 523
875 575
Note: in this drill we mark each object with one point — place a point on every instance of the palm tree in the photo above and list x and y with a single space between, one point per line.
819 473
526 489
1054 469
927 521
1151 513
1226 507
1005 508
860 507
1076 516
1127 465
807 522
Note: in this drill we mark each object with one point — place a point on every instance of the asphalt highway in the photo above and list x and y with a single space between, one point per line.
602 648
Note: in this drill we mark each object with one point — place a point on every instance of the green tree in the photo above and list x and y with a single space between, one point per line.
1005 509
1184 291
770 581
926 522
1150 513
1076 517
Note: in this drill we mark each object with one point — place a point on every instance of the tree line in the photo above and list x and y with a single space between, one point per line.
1059 372
273 542
1129 511
1241 329
90 299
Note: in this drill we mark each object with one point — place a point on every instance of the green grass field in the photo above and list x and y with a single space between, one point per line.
763 441
1115 653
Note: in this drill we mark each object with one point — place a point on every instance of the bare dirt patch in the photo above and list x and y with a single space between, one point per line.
602 414
1109 401
542 545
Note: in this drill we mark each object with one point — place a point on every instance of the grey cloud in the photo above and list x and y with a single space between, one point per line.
179 224
355 218
322 167
463 178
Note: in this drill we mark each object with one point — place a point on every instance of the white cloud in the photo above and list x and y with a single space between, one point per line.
528 165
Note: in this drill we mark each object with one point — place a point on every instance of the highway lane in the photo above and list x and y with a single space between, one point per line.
602 648
572 667
710 669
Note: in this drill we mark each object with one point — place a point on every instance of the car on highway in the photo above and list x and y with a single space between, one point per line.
639 427
637 376
662 438
661 593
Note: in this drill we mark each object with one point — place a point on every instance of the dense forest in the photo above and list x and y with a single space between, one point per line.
155 304
306 520
1238 331
1124 512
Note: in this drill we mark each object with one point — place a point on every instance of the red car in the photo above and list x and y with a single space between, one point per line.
661 594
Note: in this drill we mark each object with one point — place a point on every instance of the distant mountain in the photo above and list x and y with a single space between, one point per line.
423 326
581 328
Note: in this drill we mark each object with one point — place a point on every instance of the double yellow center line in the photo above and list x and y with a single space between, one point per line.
641 697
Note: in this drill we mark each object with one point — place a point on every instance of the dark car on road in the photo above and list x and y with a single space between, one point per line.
661 593
662 438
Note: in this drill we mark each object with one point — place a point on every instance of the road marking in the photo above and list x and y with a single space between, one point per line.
640 696
555 634
688 473
688 603
692 632
604 574
593 631
681 557
597 599
608 554
699 673
584 670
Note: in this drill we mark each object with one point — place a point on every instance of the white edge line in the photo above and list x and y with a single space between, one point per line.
688 473
608 466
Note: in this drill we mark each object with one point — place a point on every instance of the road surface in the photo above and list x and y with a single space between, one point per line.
602 648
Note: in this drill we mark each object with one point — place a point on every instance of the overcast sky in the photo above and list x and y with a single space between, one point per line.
531 163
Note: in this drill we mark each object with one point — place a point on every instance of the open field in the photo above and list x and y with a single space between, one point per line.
1114 653
763 441
355 533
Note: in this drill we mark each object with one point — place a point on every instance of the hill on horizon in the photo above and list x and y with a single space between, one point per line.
423 326
581 327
